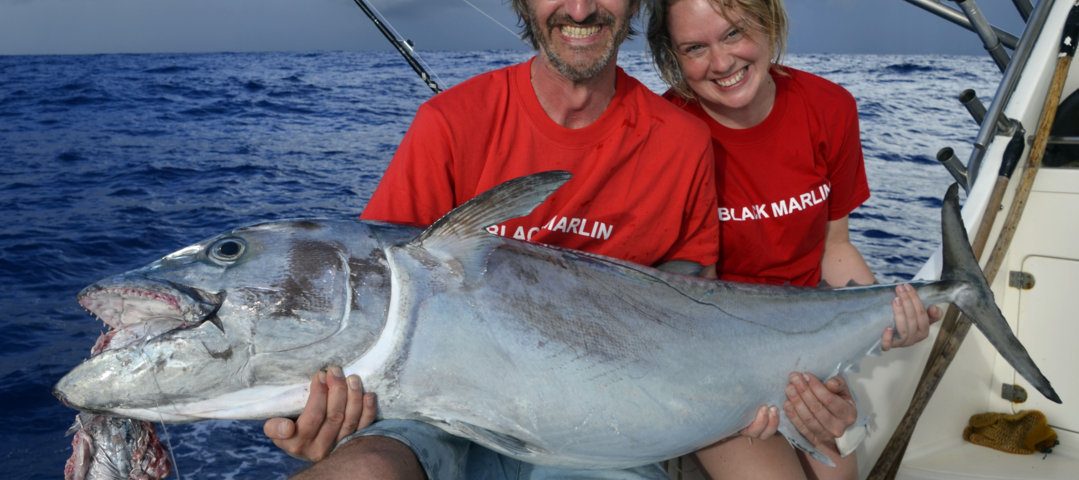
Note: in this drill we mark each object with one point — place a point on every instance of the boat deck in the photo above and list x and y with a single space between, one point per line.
965 460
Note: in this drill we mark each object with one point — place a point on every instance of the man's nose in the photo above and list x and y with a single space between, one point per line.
580 10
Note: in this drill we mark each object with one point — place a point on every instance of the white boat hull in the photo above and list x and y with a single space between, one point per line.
1046 245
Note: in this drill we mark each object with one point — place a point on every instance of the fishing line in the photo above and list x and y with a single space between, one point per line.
493 19
405 47
161 420
168 443
165 431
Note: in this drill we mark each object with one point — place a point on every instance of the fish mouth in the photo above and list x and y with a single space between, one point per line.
148 323
139 310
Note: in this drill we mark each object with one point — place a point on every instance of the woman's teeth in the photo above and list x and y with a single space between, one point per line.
733 79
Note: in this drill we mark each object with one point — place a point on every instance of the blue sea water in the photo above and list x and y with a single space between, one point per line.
108 162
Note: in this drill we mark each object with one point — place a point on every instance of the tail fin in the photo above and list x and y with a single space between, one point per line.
975 299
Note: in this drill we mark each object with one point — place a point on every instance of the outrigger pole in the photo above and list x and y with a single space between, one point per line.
960 18
404 47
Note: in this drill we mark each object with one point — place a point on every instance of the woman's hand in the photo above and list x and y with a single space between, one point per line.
821 411
912 319
764 424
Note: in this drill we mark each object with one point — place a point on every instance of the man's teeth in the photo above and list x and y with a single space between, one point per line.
733 79
579 32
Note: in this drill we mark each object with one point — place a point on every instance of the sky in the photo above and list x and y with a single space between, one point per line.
155 26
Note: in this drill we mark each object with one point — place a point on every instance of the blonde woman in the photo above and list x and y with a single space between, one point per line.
789 171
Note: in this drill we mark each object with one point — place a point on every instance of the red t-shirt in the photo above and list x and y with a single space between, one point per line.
781 181
643 186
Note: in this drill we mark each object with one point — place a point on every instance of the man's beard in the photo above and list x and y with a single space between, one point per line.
578 72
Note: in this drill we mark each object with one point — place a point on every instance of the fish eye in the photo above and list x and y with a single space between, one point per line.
227 250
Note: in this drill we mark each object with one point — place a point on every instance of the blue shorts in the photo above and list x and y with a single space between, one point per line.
447 457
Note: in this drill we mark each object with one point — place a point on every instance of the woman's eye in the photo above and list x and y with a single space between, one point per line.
693 50
734 35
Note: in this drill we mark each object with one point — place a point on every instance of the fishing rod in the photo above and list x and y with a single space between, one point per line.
404 47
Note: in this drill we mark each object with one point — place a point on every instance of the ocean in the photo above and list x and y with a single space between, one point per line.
108 162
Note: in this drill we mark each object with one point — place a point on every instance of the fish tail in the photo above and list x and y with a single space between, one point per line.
971 293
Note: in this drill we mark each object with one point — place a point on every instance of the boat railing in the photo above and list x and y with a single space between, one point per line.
993 121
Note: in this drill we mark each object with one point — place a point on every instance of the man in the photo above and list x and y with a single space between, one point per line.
642 190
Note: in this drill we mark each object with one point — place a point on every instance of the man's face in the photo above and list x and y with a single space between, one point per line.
579 37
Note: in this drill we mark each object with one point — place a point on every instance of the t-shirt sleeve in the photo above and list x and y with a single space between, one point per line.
846 167
417 187
699 240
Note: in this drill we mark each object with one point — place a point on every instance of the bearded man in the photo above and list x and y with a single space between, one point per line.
642 172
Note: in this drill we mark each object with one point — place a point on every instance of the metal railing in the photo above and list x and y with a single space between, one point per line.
994 121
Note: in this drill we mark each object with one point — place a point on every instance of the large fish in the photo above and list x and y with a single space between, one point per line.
548 355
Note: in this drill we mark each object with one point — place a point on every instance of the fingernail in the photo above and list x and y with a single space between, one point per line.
794 378
353 382
337 372
369 400
282 429
791 391
773 410
805 377
322 377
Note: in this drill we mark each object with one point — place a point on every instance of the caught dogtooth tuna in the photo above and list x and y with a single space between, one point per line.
548 355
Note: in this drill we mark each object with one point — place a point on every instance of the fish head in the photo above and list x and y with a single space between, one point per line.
263 305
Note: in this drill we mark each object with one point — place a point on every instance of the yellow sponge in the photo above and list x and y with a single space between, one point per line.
1024 432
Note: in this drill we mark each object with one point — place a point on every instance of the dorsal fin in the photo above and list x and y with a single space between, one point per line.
462 233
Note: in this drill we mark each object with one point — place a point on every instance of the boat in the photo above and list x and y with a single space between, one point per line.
1034 270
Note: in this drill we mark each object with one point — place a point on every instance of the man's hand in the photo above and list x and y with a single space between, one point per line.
820 411
912 319
336 407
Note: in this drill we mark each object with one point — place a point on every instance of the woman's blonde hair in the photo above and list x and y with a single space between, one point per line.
766 16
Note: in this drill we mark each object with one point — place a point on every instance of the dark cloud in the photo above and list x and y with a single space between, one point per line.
887 26
104 26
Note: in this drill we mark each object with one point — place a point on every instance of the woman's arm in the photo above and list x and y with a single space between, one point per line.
843 263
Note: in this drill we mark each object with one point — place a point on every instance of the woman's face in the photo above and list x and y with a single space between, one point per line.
725 64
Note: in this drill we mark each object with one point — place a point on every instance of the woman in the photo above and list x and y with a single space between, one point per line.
789 171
